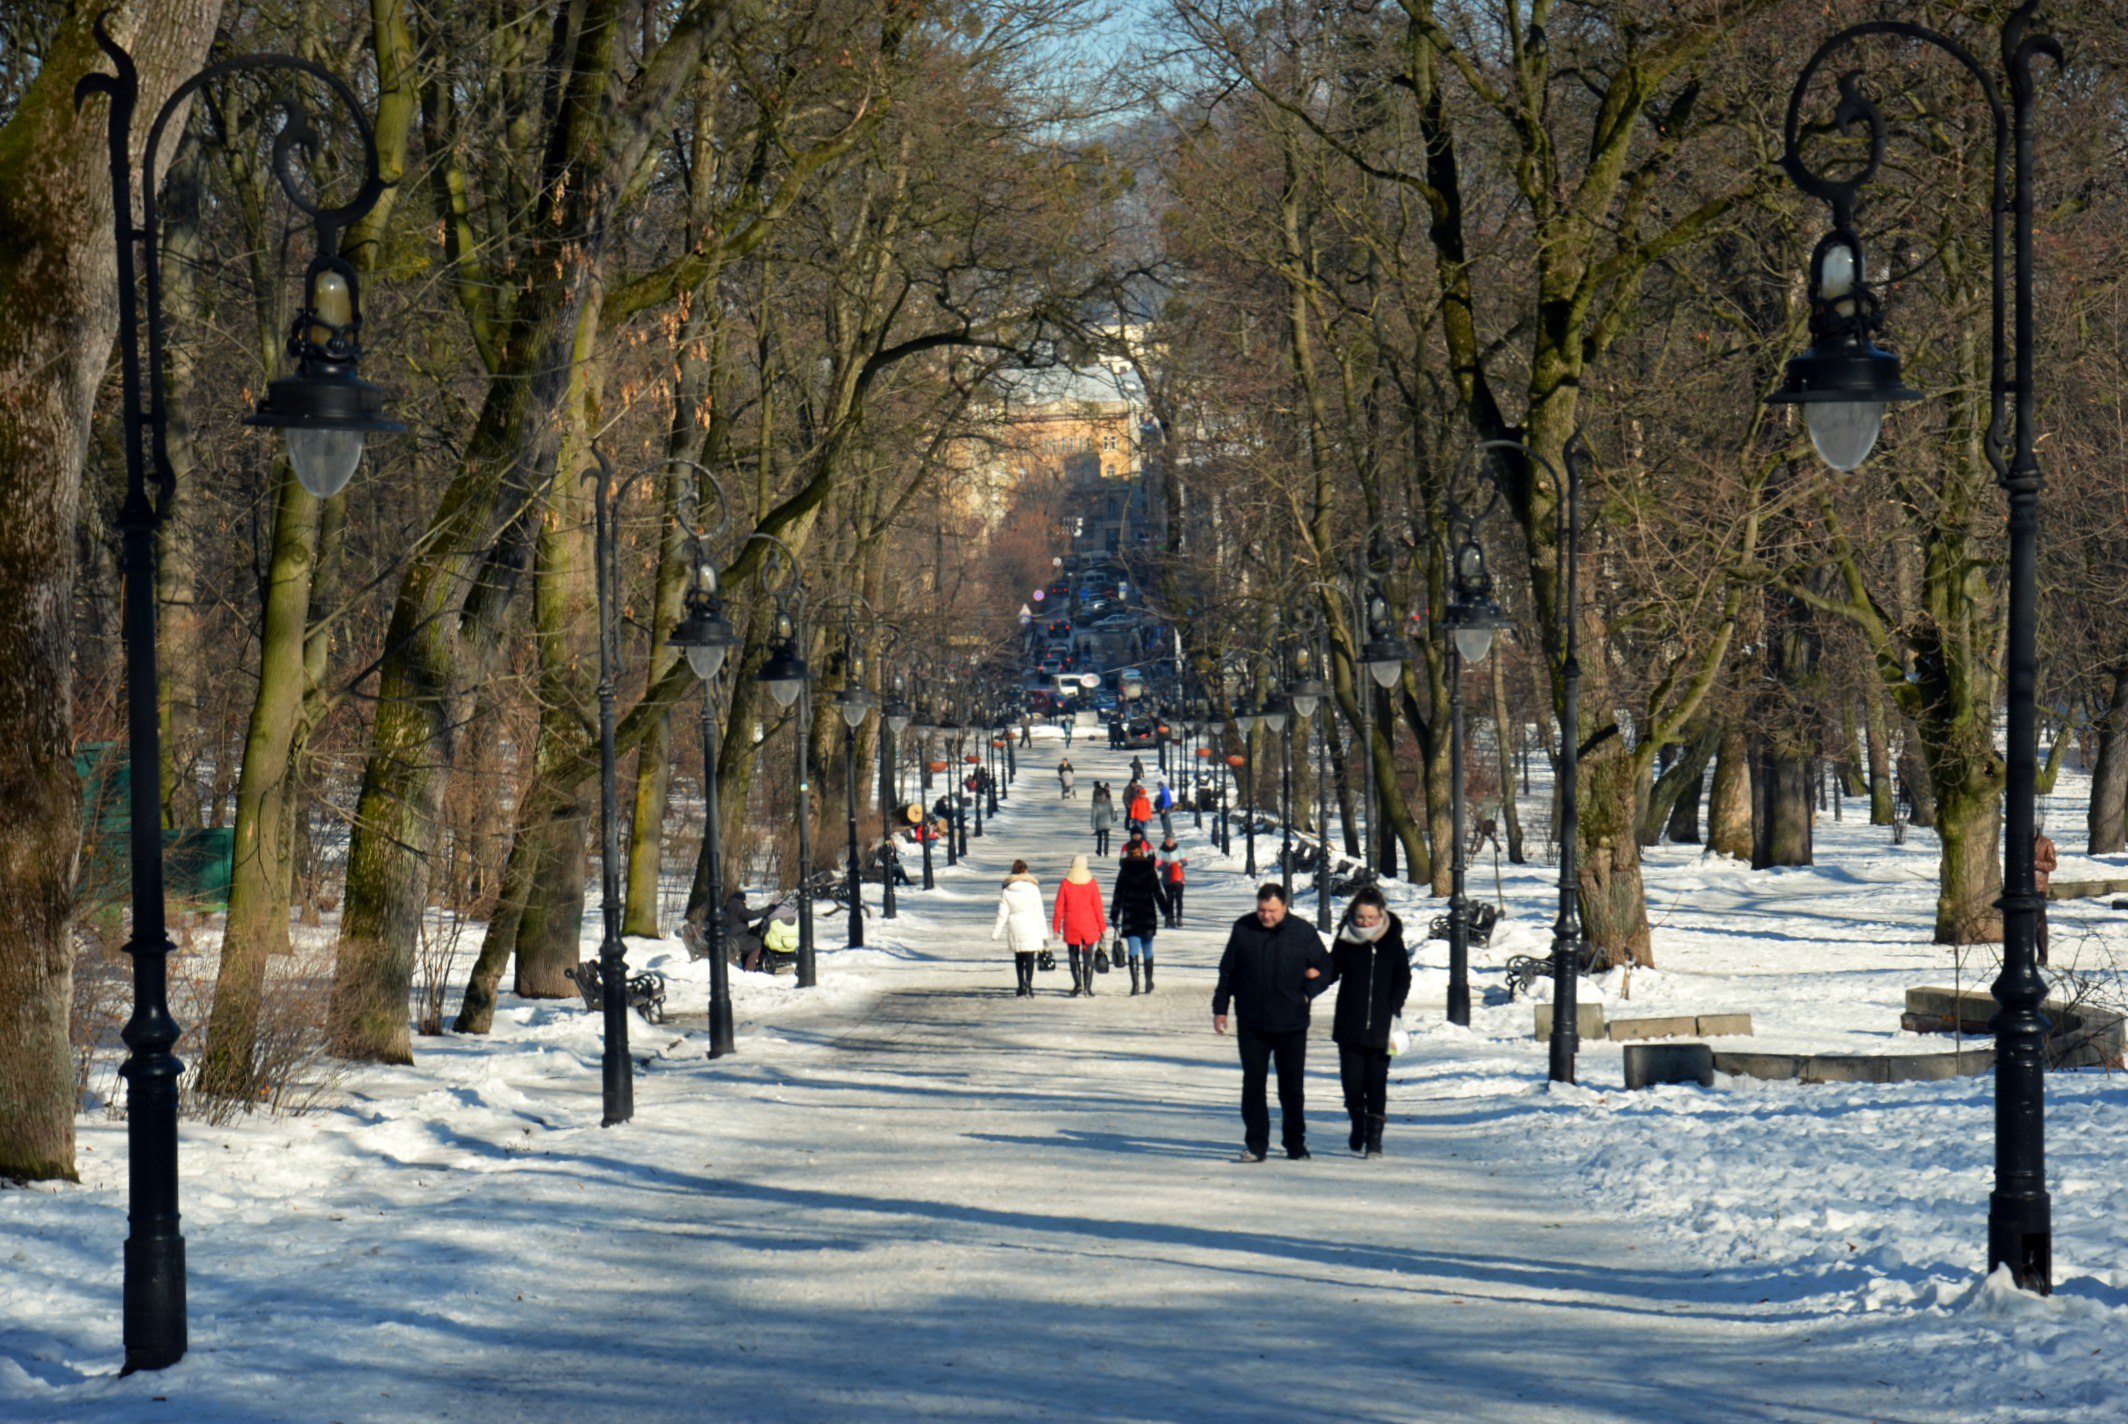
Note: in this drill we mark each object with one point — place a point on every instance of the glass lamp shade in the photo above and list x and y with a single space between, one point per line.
1385 662
324 458
1304 704
853 706
1274 720
1245 722
706 661
785 673
1473 644
1844 432
704 635
897 722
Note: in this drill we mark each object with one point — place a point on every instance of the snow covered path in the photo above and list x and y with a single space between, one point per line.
912 1196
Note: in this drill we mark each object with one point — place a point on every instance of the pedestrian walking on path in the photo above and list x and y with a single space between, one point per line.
1137 768
1104 818
1164 806
1173 866
1079 922
1141 809
1373 971
1021 924
1273 968
1065 777
1137 905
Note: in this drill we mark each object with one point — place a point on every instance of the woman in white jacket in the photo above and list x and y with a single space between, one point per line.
1022 924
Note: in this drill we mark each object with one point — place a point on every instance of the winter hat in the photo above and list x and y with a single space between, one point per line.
1078 874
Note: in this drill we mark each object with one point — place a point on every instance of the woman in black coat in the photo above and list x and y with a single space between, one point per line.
1373 971
1136 907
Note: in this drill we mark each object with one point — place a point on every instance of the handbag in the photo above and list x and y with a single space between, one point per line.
1045 961
1100 961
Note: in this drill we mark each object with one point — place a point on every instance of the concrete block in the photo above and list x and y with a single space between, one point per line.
1675 1026
1724 1026
1937 1067
1771 1066
1650 1063
1846 1068
1588 1020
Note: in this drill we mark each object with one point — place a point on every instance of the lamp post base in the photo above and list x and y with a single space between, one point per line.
2021 1236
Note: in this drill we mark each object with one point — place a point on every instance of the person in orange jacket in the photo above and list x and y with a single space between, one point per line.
1141 810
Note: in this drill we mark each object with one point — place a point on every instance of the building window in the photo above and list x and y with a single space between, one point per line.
1108 441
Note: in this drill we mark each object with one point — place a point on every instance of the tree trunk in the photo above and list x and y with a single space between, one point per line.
2050 770
1504 735
1914 776
1614 909
1683 825
1677 790
58 318
1883 805
257 924
1729 802
1783 808
2107 819
1969 821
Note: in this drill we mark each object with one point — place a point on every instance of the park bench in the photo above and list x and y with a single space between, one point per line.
646 991
1524 970
1482 919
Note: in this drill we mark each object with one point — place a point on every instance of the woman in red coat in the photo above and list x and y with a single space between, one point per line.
1079 922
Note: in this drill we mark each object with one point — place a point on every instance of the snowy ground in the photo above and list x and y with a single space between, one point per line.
912 1196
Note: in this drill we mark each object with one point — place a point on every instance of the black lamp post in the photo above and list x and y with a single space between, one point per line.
1309 695
855 703
1843 384
925 735
1473 619
1381 661
1245 723
1277 719
1566 928
788 679
327 411
894 720
706 638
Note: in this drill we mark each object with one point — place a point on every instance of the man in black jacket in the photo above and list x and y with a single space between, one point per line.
1273 968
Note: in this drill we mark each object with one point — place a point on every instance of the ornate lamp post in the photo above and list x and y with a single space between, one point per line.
326 410
706 639
1566 928
1309 695
1245 723
1843 383
1277 719
894 720
855 703
1473 619
788 679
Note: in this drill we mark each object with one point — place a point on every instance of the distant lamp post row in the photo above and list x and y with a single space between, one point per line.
325 412
1843 383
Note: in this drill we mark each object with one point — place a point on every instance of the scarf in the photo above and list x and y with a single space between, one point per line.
1355 933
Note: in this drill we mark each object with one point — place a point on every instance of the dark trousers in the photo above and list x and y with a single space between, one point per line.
1257 1052
1365 1074
1023 966
1174 905
1100 842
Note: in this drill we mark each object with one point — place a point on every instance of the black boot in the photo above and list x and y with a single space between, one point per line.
1358 1140
1089 973
1148 971
1077 980
1375 1123
1134 978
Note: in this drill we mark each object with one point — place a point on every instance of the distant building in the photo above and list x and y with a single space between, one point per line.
1082 432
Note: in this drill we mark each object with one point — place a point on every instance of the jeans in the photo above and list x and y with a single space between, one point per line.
1365 1074
1257 1051
1135 945
1167 823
